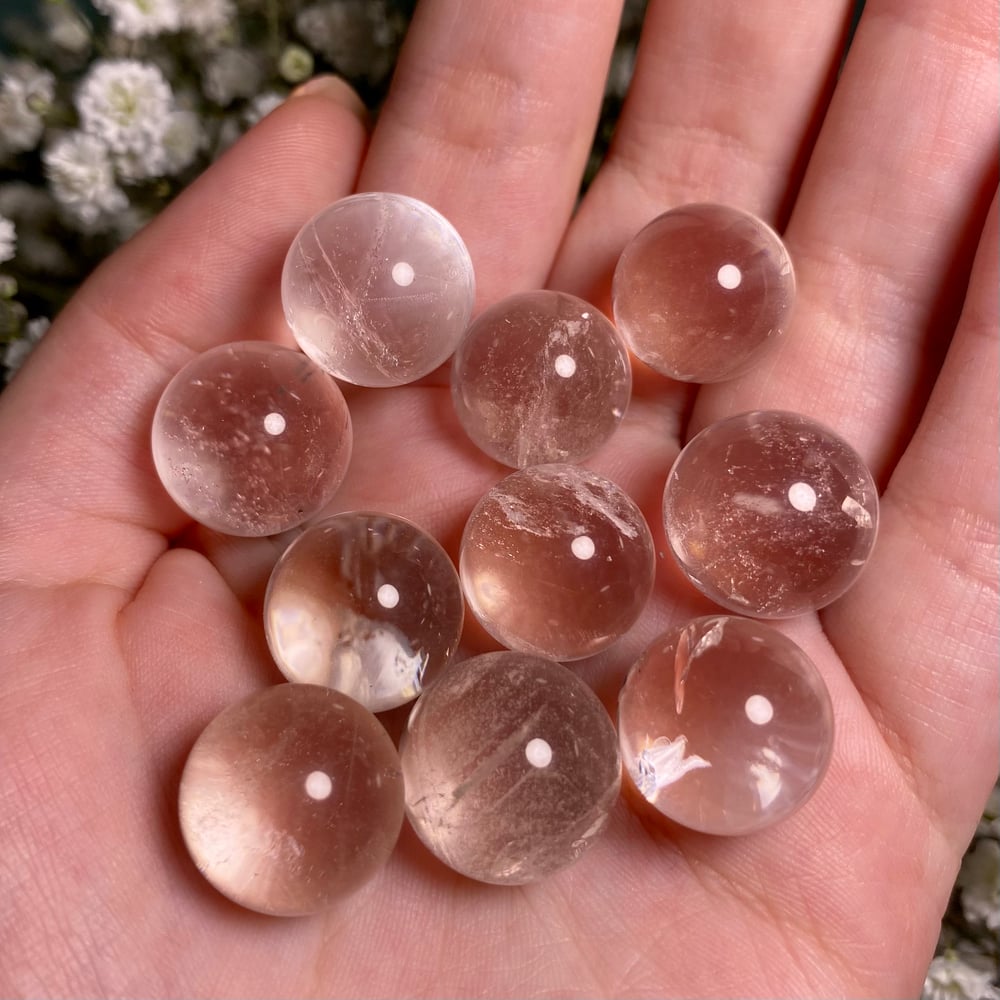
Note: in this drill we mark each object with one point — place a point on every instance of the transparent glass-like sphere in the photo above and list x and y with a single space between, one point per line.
725 725
703 291
770 513
365 603
291 799
511 767
251 438
556 561
378 289
541 377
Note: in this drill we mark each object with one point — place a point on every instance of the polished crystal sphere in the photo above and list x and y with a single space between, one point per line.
378 289
557 561
365 603
702 292
251 438
770 513
541 377
725 725
511 767
291 799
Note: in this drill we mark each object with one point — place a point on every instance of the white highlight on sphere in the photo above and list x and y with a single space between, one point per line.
402 274
730 276
387 595
759 710
802 497
538 752
318 785
583 547
274 423
565 366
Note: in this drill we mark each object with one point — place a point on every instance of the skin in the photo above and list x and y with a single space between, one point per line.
124 630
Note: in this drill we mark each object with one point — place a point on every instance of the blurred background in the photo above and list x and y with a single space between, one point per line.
189 77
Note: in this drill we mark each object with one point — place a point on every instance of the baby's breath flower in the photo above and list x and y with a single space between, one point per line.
261 106
82 180
128 222
950 977
230 73
8 239
205 16
295 64
182 140
67 30
979 881
26 93
356 36
126 104
140 18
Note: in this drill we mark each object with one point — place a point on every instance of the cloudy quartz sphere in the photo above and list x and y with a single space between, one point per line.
511 767
702 291
725 725
557 561
541 377
291 799
365 603
251 438
770 513
378 289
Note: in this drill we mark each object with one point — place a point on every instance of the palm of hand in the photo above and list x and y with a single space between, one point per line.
120 648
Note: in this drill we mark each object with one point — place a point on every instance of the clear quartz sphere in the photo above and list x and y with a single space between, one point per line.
251 438
511 767
541 377
366 603
557 561
725 725
770 513
291 799
702 292
378 289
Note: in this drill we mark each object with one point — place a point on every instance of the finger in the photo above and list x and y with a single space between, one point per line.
74 425
711 115
920 628
885 226
490 119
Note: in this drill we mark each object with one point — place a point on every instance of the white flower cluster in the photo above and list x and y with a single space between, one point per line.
351 34
8 239
26 93
130 131
148 18
952 977
205 16
140 18
229 74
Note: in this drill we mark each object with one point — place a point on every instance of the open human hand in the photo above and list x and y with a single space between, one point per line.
124 630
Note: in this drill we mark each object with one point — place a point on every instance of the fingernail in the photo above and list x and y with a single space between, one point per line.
333 88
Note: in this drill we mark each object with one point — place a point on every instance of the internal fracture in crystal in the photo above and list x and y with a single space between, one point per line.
511 767
251 438
556 560
770 513
725 725
367 603
378 289
540 377
702 292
